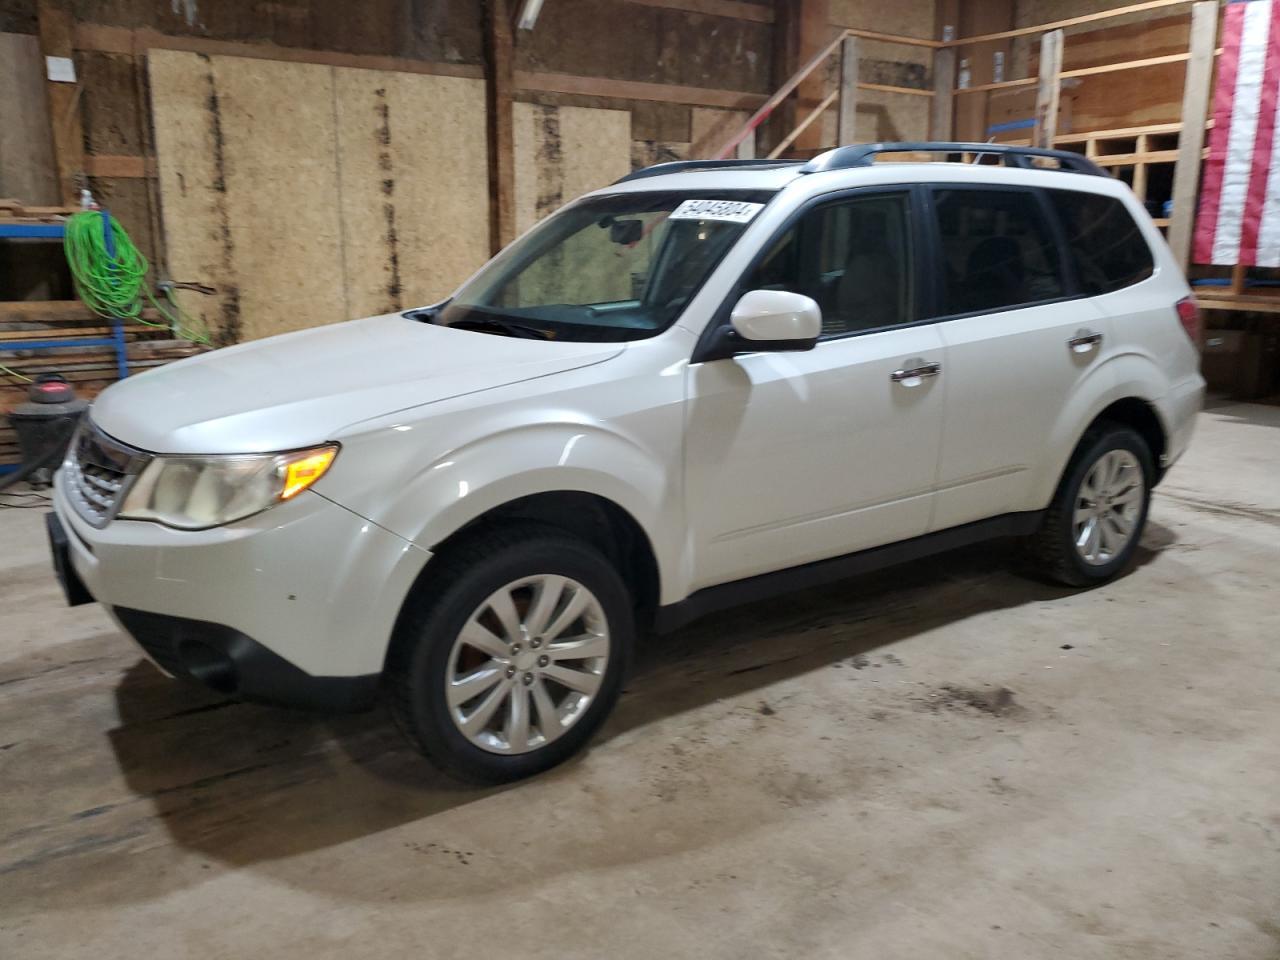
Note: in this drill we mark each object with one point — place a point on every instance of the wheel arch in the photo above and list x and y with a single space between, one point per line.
593 518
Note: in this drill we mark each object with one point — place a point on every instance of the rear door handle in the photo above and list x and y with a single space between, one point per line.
914 371
1084 341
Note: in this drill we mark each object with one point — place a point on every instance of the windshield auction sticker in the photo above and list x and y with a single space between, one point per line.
733 211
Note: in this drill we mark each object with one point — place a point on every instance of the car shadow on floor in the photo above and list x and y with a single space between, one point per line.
244 784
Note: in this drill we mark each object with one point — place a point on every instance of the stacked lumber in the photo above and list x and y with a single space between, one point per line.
90 369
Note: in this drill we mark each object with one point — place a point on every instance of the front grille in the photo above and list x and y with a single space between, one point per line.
98 472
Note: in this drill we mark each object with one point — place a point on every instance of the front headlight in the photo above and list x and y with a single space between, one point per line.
193 493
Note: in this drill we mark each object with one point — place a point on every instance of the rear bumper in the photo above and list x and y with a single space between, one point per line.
1178 409
229 662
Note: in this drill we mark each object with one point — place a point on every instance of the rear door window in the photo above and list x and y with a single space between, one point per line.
1109 250
998 250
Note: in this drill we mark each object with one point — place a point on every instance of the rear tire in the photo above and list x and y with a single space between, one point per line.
525 622
1096 519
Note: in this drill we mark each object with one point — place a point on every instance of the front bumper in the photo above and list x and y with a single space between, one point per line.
287 606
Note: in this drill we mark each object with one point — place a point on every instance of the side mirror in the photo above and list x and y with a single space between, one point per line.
776 320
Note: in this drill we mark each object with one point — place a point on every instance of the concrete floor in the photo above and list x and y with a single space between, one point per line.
945 760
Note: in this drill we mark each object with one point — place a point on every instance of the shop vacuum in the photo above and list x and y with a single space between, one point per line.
44 424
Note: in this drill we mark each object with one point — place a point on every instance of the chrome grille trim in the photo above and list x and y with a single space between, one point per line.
98 472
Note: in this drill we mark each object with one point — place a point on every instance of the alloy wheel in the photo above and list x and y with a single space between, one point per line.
527 664
1108 507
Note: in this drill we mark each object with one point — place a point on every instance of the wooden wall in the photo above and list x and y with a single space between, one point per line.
307 194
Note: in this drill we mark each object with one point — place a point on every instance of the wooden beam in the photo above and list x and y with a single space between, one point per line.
942 110
55 27
847 124
537 82
1049 90
107 39
890 37
499 87
734 9
1195 110
1070 22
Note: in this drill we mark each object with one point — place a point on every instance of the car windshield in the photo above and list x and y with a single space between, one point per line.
615 267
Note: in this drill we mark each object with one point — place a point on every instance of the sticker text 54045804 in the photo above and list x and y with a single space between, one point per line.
734 211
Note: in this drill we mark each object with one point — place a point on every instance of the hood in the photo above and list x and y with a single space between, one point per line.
302 388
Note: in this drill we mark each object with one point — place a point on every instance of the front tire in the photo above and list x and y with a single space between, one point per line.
1092 527
515 654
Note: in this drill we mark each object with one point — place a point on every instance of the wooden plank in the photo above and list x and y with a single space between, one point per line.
804 125
779 95
109 39
499 87
941 111
537 81
1069 22
892 38
26 149
1228 301
55 26
1048 90
1124 65
1195 110
890 88
119 167
845 125
735 9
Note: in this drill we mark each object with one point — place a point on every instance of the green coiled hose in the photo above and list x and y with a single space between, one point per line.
114 284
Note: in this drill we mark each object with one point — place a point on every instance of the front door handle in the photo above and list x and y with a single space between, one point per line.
1084 341
915 370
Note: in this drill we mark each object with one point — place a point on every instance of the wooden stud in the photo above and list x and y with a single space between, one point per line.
1195 109
1049 89
499 86
847 124
56 26
942 110
890 88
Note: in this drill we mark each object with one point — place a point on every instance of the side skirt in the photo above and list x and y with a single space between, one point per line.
761 587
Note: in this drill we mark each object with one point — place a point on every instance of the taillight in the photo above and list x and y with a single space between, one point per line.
1189 317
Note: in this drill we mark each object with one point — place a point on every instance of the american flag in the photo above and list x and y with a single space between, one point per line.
1239 216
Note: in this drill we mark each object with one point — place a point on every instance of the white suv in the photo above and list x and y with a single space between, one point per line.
702 385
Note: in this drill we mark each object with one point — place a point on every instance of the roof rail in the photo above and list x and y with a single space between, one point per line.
863 155
682 166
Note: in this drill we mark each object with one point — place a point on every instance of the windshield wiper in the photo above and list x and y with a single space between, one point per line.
501 326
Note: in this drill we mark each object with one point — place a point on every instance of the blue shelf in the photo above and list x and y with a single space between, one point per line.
56 231
32 231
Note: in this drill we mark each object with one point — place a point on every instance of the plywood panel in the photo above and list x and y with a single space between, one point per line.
414 186
562 152
281 183
191 152
26 148
308 194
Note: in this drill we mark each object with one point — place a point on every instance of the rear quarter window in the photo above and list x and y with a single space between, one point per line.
1108 248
